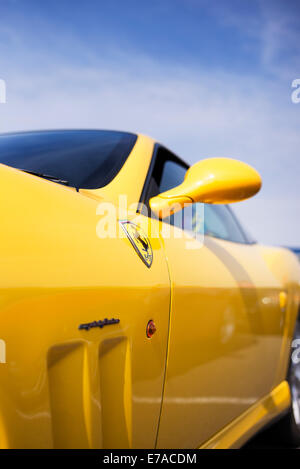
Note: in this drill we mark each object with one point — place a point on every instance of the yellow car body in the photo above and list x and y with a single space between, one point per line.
211 376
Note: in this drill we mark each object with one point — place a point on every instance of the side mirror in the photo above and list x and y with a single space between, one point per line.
211 181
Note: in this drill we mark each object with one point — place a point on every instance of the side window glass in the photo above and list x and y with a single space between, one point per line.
215 220
219 222
172 175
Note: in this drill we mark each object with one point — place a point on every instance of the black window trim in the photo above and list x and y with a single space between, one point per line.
173 157
176 159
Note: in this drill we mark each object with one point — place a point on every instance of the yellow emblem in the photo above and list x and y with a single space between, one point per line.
139 241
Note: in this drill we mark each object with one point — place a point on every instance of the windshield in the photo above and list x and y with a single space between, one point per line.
86 159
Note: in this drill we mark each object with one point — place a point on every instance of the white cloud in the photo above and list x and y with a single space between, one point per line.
271 28
271 220
197 113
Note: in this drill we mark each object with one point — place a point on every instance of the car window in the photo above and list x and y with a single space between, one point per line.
172 175
219 221
85 159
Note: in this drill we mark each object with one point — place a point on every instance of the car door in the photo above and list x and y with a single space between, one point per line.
224 344
71 381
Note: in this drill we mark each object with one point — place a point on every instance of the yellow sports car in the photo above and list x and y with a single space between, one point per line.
125 327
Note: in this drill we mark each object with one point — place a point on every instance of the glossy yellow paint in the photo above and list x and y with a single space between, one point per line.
64 387
259 415
222 340
212 181
131 178
227 331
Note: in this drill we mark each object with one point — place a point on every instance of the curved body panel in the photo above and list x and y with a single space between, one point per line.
61 386
78 367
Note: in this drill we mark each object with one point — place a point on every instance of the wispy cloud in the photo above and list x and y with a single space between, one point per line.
272 26
197 111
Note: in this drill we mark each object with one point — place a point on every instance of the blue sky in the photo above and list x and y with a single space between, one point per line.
207 78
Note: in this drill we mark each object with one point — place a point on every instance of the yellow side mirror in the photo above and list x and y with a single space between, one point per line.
211 181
